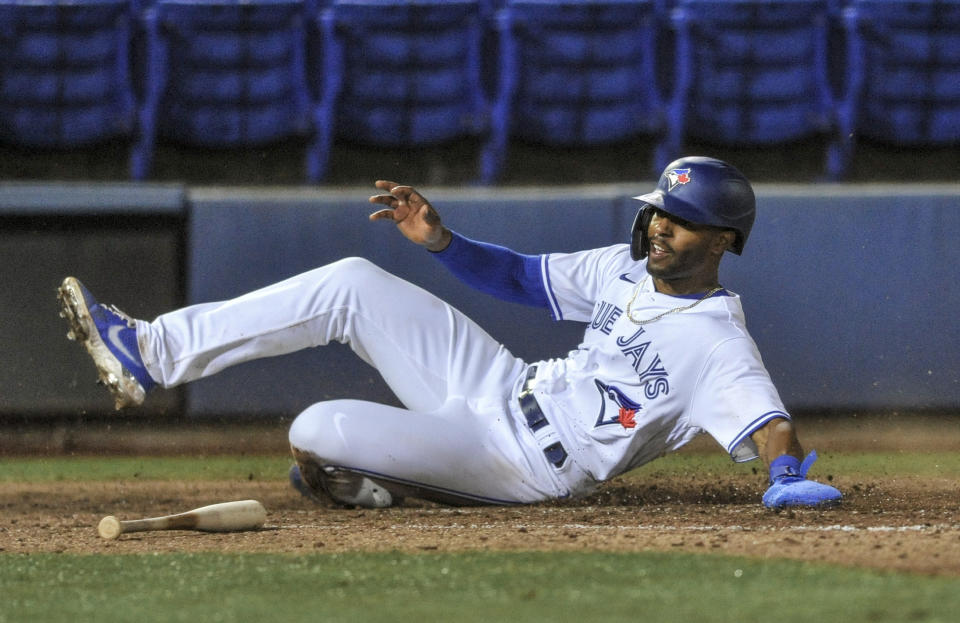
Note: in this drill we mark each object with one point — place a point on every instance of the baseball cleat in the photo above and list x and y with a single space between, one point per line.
296 481
110 337
318 482
369 494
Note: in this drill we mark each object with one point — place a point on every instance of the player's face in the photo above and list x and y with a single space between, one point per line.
683 256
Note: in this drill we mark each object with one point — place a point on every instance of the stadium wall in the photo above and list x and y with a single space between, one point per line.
849 290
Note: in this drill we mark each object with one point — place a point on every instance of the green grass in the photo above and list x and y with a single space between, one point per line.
601 587
876 464
90 468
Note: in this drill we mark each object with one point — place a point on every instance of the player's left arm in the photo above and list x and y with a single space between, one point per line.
780 449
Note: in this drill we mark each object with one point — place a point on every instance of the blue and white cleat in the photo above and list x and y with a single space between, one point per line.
110 336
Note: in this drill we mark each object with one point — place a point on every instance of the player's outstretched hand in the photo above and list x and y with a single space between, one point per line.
412 213
789 486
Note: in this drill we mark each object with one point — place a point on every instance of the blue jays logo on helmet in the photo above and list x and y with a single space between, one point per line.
677 177
616 395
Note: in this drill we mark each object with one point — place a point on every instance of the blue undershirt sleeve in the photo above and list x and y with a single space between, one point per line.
495 270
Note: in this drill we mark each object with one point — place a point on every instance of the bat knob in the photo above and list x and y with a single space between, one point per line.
109 527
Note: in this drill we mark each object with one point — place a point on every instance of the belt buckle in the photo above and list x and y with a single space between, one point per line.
527 388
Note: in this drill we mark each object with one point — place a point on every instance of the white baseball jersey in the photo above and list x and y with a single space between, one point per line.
631 392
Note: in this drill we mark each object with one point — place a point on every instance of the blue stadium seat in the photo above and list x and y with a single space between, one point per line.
223 74
904 71
402 73
577 73
64 72
751 73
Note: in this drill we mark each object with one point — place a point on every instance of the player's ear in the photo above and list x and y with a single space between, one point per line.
723 241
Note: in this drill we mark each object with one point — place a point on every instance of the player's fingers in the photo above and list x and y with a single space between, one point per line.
387 200
385 185
404 192
400 192
380 215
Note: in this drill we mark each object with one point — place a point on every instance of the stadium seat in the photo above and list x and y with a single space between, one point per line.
576 73
223 74
405 74
751 73
64 72
904 72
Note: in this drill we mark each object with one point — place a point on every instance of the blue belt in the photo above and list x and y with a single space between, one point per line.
536 420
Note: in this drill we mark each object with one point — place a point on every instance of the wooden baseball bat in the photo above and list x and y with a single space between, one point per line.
223 517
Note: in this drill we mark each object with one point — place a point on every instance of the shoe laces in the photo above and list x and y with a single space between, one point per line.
130 321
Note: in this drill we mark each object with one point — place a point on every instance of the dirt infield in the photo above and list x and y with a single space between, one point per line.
907 524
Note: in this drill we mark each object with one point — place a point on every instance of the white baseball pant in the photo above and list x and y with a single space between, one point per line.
461 432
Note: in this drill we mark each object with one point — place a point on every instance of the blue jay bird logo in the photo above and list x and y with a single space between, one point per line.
627 408
677 177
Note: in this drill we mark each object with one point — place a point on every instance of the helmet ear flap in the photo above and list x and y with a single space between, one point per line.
639 242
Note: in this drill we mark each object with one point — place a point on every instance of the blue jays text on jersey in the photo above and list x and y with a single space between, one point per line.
651 373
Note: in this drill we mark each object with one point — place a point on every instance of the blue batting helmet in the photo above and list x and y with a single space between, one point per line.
704 191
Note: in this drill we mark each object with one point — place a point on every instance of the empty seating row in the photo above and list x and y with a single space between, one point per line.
234 73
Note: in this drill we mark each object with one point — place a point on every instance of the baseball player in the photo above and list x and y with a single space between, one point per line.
665 356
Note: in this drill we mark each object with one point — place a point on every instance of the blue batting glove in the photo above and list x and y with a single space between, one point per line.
789 485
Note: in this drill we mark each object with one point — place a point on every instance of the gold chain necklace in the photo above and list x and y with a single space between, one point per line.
675 310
